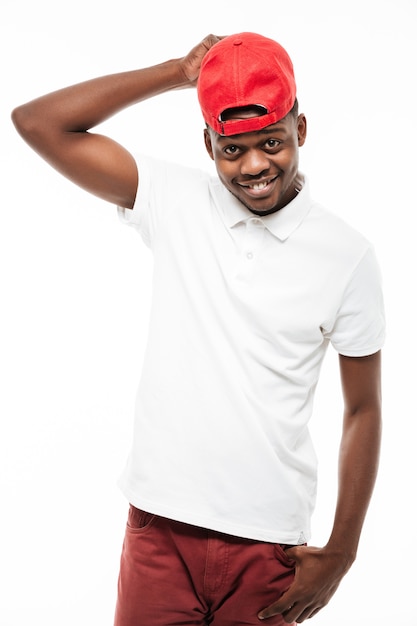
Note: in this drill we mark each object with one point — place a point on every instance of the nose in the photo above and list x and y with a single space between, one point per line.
254 162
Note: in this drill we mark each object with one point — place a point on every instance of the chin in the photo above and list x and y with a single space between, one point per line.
261 212
258 209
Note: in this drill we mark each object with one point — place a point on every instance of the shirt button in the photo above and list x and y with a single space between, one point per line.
249 255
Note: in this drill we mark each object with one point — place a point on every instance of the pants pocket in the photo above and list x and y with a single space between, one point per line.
138 520
282 556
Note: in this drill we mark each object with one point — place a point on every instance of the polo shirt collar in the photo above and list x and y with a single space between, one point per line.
281 224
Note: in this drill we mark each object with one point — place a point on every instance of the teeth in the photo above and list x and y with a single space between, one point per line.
258 186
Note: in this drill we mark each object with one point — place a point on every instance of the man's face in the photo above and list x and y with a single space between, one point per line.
260 168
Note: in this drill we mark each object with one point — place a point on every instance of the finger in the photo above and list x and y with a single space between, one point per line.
278 608
210 40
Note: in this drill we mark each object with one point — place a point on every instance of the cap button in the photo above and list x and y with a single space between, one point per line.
237 42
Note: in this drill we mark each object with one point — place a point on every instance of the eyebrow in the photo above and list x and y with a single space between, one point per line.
271 129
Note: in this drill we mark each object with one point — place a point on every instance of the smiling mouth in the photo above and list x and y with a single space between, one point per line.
258 186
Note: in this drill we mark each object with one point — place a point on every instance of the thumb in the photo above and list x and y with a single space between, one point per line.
280 607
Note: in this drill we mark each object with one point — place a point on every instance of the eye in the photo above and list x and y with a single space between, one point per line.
272 144
231 150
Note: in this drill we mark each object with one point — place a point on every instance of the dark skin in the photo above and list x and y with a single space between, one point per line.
261 169
319 571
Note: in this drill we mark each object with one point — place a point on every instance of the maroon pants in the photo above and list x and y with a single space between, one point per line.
174 574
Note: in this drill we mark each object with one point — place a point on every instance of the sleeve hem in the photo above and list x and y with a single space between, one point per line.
360 352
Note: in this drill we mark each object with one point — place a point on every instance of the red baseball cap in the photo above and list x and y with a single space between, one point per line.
245 70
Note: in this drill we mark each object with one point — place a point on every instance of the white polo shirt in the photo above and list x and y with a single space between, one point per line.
243 310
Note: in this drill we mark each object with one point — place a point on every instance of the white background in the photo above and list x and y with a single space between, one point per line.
75 285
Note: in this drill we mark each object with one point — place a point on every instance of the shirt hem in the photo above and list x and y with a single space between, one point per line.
222 526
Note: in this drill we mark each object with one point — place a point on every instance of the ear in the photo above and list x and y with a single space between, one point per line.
208 143
301 129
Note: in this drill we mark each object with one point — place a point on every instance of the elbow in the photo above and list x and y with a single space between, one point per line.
24 122
32 125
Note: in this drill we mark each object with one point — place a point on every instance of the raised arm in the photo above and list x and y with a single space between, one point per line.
320 570
57 125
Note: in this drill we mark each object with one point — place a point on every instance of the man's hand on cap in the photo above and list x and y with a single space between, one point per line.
191 63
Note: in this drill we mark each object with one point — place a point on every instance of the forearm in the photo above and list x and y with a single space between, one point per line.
82 106
358 466
319 570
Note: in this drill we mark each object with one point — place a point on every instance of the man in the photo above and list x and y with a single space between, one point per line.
252 280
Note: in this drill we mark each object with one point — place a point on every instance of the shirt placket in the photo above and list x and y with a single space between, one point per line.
251 248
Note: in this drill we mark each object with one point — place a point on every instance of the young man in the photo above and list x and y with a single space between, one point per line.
252 280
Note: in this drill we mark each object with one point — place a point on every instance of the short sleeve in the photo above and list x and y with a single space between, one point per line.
359 327
161 191
140 216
